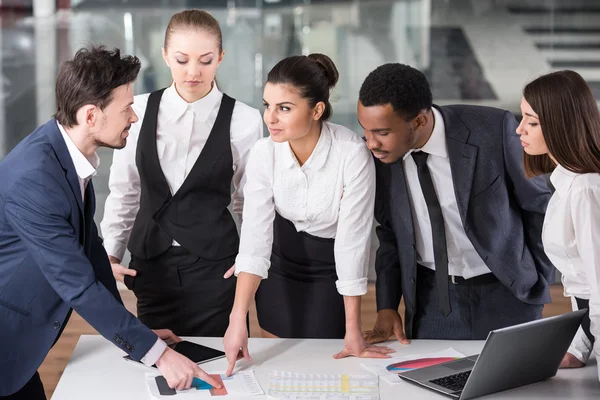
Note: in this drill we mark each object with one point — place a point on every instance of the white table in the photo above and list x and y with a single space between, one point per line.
96 369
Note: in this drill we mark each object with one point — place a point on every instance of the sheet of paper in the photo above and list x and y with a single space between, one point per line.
293 386
389 368
241 384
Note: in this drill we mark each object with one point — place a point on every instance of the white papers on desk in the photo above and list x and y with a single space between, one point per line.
240 385
296 386
380 366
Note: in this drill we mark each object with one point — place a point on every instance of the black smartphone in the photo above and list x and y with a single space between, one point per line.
195 352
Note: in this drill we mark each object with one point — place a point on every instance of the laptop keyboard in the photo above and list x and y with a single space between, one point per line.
455 382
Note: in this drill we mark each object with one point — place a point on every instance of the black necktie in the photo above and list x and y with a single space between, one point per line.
438 231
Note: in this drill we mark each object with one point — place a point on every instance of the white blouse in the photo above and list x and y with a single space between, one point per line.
182 131
331 196
571 237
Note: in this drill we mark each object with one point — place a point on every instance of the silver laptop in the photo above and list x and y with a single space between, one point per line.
512 357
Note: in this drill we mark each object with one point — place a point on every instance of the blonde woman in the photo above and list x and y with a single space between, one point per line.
171 185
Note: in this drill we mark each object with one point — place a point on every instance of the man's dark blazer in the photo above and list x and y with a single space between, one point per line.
52 260
501 210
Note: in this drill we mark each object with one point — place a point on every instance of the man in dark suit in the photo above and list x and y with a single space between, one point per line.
51 257
460 224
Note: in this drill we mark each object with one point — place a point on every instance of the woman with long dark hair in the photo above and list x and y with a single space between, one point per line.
560 133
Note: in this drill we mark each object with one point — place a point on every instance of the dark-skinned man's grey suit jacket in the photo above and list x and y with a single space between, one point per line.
501 210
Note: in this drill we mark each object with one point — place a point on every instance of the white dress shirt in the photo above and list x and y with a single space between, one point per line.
86 169
182 131
571 237
331 196
463 259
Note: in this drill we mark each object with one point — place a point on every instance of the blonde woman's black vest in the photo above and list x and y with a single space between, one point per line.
196 216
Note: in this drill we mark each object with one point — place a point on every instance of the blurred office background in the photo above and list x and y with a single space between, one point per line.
472 51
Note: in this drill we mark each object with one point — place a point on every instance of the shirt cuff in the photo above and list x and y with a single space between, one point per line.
252 265
115 248
154 353
581 347
356 287
578 354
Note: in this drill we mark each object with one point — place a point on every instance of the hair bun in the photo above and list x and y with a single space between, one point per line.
328 67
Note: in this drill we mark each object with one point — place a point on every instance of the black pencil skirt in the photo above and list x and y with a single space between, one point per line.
299 298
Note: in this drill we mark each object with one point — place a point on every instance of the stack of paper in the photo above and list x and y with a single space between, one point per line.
293 385
389 368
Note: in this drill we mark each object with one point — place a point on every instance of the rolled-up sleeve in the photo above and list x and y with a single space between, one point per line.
251 125
355 223
256 239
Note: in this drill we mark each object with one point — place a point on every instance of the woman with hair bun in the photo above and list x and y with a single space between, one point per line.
308 217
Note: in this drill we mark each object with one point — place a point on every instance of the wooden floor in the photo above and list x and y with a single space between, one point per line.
57 359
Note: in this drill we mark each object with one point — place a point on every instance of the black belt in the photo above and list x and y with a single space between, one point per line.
459 280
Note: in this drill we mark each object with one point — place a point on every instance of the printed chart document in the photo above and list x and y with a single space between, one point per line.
389 368
294 385
241 385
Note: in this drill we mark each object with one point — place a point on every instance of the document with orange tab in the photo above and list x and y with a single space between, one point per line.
241 384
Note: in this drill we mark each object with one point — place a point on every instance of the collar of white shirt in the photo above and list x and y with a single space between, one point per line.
562 179
319 155
436 145
85 168
176 106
